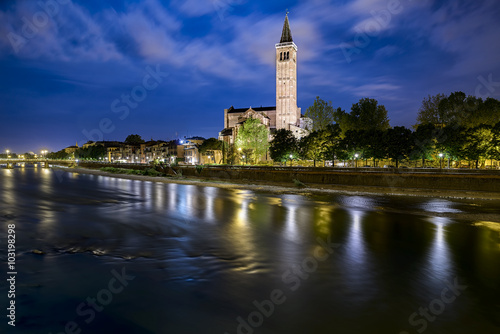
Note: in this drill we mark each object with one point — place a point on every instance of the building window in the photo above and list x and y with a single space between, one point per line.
281 56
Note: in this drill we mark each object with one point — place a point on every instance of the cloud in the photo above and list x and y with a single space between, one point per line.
64 32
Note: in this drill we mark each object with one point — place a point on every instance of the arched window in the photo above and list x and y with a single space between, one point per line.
281 56
288 55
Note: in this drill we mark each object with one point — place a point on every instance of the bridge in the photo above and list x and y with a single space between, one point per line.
10 163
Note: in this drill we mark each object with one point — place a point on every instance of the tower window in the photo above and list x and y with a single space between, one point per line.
288 55
281 56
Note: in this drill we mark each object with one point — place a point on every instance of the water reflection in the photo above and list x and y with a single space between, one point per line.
439 206
439 254
355 244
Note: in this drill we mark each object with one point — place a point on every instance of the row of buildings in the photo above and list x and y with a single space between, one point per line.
185 151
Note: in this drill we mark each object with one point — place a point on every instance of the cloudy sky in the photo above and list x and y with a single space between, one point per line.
78 70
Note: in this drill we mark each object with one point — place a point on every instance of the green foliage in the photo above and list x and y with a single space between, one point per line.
91 153
146 172
134 140
424 142
211 145
429 112
458 109
253 137
451 142
367 114
321 113
495 143
283 144
398 143
314 146
478 143
28 155
59 155
199 168
298 183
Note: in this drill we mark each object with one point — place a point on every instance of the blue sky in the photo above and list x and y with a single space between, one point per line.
67 69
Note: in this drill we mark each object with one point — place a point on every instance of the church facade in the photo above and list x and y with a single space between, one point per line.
286 114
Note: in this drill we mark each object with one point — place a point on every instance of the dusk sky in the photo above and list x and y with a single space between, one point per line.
63 74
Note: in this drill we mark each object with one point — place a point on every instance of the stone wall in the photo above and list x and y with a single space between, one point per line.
438 180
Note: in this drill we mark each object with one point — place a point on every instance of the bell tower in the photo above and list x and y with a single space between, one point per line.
287 112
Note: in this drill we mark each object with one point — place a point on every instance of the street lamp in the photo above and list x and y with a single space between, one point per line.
440 160
243 157
7 153
356 156
291 160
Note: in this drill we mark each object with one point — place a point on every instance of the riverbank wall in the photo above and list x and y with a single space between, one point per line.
437 179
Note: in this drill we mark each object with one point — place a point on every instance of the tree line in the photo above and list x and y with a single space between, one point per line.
455 127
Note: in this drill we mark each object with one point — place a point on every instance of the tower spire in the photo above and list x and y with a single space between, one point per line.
286 35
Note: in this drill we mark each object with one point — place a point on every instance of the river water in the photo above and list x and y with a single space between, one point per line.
126 256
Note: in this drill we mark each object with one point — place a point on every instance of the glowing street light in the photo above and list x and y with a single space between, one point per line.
291 159
440 160
356 156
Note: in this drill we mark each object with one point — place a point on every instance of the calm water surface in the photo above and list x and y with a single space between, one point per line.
193 259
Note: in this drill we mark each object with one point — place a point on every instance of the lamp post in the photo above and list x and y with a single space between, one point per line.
356 161
440 160
291 160
243 157
7 153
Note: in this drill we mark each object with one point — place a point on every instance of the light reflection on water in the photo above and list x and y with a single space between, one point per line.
439 256
202 255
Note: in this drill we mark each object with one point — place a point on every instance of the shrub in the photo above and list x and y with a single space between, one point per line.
199 168
298 183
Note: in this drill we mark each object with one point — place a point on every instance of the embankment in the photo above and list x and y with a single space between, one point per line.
393 179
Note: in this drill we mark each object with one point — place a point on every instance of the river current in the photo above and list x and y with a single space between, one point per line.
96 254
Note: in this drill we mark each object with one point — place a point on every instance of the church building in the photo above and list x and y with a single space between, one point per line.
286 114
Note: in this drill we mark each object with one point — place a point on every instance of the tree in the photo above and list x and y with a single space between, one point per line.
59 155
321 113
478 143
333 138
398 143
451 142
429 111
283 144
495 143
314 146
134 140
373 145
209 146
458 109
367 114
253 136
28 155
424 142
92 152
